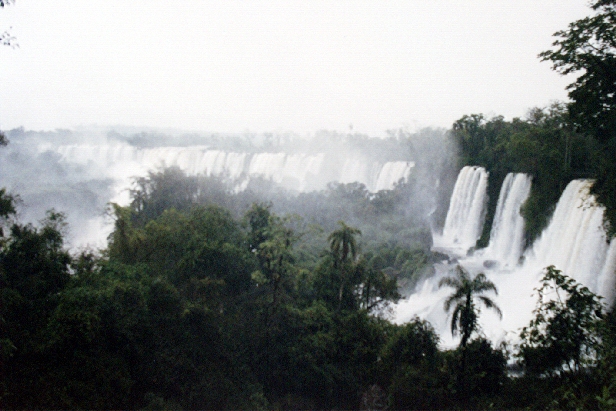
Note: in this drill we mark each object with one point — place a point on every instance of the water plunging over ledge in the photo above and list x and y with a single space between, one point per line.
574 241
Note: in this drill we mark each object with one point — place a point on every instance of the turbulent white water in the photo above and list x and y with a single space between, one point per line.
115 163
574 241
467 208
300 172
506 237
391 173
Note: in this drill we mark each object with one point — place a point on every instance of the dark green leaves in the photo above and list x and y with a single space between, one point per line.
465 313
564 335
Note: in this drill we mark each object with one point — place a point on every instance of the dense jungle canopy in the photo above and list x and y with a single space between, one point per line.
210 298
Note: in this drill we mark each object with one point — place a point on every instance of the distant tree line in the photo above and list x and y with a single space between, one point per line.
206 298
542 145
569 140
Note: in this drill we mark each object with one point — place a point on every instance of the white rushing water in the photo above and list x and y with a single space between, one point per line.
466 214
506 237
391 173
574 241
300 172
117 163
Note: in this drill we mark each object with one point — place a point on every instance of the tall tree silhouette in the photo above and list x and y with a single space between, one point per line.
465 313
343 246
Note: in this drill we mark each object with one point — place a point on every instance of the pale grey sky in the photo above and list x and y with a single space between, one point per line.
299 66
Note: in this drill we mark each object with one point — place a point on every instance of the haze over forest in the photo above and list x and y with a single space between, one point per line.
392 206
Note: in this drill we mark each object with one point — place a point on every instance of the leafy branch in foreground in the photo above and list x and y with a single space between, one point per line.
588 48
564 335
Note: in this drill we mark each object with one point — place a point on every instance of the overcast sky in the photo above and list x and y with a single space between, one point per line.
302 66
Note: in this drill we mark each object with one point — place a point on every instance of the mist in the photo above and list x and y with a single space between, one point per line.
79 172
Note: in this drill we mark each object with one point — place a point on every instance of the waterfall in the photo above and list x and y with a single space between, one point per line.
300 172
465 217
605 281
109 163
391 173
574 241
268 165
506 237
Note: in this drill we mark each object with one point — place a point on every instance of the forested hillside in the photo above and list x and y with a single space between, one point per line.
209 297
543 145
191 307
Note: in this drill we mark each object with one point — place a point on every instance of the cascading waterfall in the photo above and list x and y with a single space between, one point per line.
391 173
605 282
574 241
113 163
301 172
506 237
467 207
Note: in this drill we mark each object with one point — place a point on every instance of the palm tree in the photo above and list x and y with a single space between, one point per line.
344 251
464 317
343 244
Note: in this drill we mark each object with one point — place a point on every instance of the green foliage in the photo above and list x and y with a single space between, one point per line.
34 269
465 313
376 290
604 187
343 248
606 367
476 367
386 218
200 259
34 262
258 220
588 47
413 370
421 388
346 282
7 202
205 242
406 264
486 368
7 208
543 145
271 241
172 188
414 343
343 245
564 335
